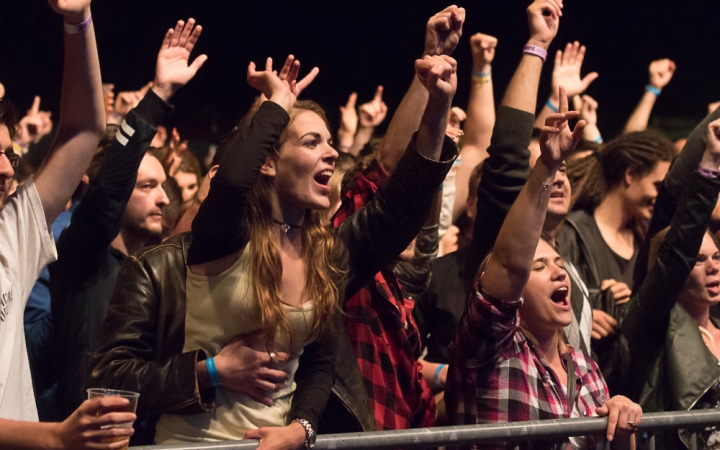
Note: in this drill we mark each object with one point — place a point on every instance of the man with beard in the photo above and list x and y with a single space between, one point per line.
120 214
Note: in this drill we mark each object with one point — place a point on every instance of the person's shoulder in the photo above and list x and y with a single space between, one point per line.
173 247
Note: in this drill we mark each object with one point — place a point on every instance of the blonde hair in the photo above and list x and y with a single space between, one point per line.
324 254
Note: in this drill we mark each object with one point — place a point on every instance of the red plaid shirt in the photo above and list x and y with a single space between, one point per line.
384 334
496 376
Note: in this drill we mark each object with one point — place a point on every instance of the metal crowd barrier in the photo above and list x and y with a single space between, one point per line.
476 434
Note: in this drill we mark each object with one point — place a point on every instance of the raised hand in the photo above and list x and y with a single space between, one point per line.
284 88
35 124
661 72
290 72
483 51
587 106
557 142
544 21
438 74
172 70
244 366
373 113
711 158
443 31
125 101
74 11
454 124
348 123
711 106
177 149
567 70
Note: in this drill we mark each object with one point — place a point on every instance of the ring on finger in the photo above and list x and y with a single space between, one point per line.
631 423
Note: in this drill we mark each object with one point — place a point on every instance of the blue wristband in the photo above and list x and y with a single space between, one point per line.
552 107
599 140
437 374
482 74
653 89
212 372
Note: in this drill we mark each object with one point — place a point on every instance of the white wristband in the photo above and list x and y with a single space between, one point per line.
79 28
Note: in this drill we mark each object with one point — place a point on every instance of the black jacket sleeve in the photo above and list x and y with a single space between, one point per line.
379 231
98 217
646 322
220 227
672 188
316 373
504 174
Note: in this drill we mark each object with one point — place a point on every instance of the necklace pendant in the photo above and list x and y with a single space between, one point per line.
285 227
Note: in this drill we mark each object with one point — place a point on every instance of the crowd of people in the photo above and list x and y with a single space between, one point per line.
467 267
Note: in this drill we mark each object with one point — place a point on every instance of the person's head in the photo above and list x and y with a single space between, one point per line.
546 305
143 212
8 130
188 176
559 203
293 185
702 289
632 166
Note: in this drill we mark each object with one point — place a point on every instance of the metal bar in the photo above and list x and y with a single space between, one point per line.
472 434
693 440
651 442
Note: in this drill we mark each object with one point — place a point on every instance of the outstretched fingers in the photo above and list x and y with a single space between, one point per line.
176 33
309 78
185 33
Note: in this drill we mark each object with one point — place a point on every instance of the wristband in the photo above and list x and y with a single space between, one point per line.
653 89
79 28
437 374
535 50
552 107
482 77
212 372
708 173
599 140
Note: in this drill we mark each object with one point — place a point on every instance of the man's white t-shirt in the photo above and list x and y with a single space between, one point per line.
26 246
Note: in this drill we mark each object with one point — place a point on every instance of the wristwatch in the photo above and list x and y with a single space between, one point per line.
310 434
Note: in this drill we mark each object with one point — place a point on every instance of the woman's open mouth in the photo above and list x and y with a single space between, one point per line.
560 297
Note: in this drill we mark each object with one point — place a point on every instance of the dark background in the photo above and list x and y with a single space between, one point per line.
358 45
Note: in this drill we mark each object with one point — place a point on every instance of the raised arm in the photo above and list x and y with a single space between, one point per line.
98 218
508 269
480 116
661 72
82 111
645 324
218 228
377 233
442 35
348 124
566 73
508 165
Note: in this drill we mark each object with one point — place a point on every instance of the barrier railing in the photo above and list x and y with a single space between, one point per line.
476 434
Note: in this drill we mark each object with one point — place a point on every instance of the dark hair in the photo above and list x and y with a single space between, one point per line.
175 209
599 173
9 116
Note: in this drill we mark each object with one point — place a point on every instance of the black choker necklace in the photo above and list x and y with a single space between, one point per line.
285 227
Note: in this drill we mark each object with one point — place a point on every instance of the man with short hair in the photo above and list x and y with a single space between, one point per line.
120 214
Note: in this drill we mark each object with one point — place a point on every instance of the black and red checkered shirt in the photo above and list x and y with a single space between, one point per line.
384 335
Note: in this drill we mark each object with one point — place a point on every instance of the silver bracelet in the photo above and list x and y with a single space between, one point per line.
310 435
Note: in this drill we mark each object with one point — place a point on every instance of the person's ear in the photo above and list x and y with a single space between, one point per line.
630 175
270 167
85 179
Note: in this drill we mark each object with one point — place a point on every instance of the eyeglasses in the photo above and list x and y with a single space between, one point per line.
13 157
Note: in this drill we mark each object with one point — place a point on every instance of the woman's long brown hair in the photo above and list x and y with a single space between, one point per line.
324 254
